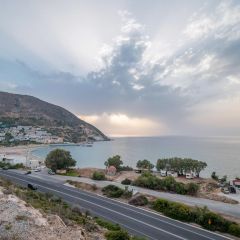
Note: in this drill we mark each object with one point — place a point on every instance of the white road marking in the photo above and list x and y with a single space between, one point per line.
149 225
131 209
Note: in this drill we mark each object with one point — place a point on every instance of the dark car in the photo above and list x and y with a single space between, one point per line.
32 187
28 172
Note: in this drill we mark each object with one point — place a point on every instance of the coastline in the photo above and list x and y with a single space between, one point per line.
22 153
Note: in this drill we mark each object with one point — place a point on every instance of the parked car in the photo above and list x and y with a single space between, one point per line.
32 186
5 168
225 191
50 171
232 189
163 173
28 172
37 170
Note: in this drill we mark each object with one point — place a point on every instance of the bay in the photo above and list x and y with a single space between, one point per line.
222 154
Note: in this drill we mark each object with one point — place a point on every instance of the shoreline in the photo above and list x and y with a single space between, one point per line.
22 153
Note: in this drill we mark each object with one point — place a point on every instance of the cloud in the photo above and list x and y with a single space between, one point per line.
118 125
174 88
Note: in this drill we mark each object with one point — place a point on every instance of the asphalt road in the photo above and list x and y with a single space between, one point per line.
136 220
232 210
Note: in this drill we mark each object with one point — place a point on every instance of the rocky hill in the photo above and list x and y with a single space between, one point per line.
27 110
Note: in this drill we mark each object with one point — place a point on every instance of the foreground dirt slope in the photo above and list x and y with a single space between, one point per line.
19 221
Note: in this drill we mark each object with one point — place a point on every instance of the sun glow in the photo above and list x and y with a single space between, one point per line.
120 125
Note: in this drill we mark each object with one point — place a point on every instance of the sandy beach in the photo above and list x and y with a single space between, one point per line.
21 154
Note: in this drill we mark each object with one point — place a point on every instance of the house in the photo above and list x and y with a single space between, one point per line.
111 171
236 184
7 160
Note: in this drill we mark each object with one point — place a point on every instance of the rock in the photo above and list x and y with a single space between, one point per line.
139 200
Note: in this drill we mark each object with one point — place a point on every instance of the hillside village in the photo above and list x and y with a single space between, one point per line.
27 134
36 134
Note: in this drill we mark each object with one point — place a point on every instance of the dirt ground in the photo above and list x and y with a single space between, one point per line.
20 221
208 187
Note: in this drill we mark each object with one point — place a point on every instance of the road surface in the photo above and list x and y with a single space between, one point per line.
216 206
136 220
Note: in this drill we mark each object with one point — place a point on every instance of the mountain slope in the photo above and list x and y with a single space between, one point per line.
28 110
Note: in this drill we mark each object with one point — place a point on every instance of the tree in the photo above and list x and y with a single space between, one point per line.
8 137
145 164
59 159
114 161
181 165
214 176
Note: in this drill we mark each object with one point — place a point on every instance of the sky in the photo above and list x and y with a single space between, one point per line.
130 67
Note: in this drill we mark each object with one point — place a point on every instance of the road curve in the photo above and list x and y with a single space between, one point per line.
136 220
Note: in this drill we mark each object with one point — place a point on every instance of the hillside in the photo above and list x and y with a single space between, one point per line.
27 110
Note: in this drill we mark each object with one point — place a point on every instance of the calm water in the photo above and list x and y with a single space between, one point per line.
221 154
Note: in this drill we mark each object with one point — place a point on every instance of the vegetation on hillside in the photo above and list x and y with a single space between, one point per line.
16 109
52 204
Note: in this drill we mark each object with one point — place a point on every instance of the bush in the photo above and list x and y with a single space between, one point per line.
98 176
192 188
148 180
139 200
112 191
117 235
125 168
174 210
234 229
126 181
127 193
201 216
108 225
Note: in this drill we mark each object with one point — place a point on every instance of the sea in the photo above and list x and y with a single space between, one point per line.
222 154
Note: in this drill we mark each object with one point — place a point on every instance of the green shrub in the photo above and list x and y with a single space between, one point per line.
180 188
174 210
214 222
234 229
127 193
125 168
108 225
98 176
138 238
148 180
192 188
117 235
201 216
126 181
112 191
